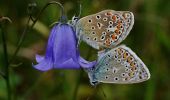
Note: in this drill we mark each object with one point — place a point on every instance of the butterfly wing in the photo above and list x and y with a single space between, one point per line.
105 29
119 65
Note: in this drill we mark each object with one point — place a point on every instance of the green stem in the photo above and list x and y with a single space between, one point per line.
2 74
20 41
77 85
80 76
6 76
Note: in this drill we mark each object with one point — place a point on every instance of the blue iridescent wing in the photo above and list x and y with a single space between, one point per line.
119 65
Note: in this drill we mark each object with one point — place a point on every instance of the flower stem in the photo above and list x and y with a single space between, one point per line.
6 74
20 41
80 76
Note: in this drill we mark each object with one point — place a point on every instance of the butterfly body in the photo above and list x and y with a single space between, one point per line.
105 29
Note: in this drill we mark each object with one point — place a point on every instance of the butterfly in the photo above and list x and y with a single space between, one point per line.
105 29
118 65
115 64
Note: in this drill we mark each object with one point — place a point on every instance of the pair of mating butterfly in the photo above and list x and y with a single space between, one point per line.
115 64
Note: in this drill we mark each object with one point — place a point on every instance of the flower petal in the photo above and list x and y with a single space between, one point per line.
44 65
86 64
39 58
68 64
65 47
62 51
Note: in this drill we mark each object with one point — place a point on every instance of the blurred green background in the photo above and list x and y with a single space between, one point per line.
149 38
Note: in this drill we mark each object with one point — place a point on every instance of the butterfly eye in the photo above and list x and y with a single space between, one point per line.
75 18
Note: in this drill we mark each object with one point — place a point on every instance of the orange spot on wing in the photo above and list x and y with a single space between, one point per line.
114 18
119 51
129 59
119 26
119 21
131 74
125 55
132 64
108 42
114 37
108 13
117 31
133 68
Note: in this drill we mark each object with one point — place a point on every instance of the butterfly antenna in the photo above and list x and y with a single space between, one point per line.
80 7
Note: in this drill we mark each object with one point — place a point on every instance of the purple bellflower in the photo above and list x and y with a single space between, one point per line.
62 51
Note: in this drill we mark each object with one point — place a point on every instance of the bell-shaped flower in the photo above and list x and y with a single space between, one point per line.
62 51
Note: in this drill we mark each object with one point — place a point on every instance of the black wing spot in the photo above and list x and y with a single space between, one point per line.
90 21
107 69
93 33
102 37
123 74
98 17
116 78
99 24
110 22
105 19
104 33
92 27
95 39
